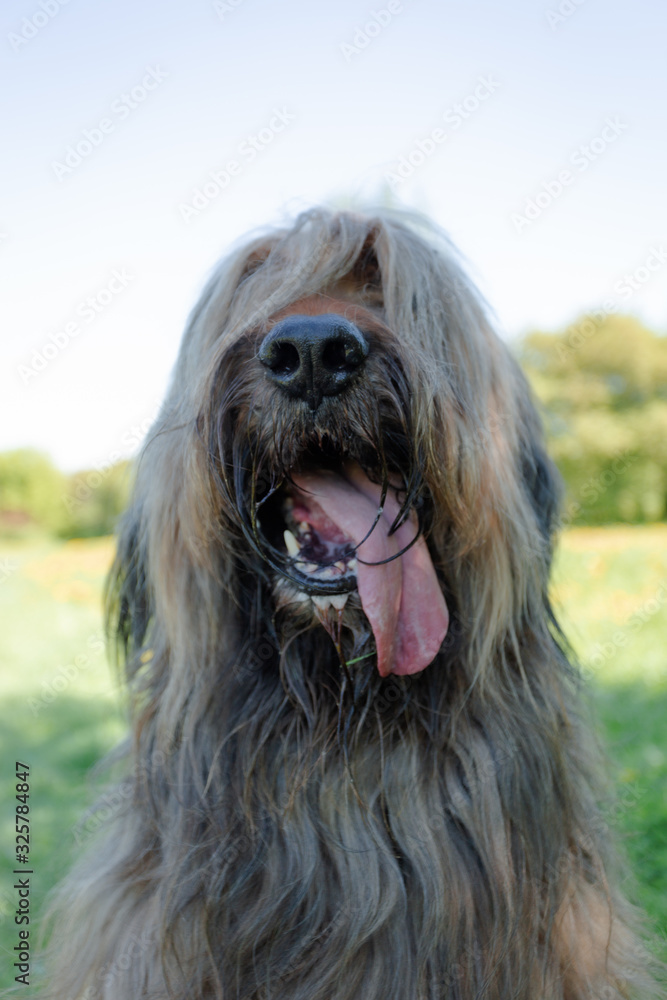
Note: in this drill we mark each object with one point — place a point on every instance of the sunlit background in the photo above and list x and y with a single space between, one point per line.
360 96
142 140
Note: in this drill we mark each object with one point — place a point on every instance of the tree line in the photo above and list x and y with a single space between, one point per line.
37 496
601 384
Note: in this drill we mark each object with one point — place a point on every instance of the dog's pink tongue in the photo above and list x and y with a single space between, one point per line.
401 599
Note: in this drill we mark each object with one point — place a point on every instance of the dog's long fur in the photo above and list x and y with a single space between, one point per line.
300 828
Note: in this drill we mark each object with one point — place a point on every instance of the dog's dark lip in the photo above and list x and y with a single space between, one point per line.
314 587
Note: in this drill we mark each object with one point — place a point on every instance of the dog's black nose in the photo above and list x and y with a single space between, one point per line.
313 356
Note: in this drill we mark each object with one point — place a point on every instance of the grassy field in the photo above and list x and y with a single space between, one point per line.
61 709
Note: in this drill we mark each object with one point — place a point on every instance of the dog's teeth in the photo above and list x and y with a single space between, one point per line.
352 565
291 543
340 565
310 567
339 601
304 526
323 603
302 596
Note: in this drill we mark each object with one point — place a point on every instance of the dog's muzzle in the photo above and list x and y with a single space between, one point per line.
310 357
332 528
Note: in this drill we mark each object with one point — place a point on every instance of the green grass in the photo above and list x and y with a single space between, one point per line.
610 587
61 710
59 707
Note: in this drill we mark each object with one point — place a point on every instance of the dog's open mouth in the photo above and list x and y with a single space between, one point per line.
319 550
340 533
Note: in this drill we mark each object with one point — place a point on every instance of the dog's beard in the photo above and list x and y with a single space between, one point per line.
345 550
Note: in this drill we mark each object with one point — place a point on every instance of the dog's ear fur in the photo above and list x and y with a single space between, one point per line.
544 488
541 478
127 601
366 270
364 279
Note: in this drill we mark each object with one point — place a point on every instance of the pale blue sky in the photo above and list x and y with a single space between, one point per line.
217 80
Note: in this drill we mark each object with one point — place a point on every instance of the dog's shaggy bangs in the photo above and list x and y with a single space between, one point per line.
300 827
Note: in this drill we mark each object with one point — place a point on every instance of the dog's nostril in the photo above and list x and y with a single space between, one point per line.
335 356
282 358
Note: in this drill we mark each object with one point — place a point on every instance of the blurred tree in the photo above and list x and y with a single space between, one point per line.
30 491
36 495
94 499
603 384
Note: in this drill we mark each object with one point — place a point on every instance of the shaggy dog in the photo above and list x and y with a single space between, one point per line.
357 768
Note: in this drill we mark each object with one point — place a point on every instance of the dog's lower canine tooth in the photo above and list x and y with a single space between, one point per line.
339 601
291 543
322 603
